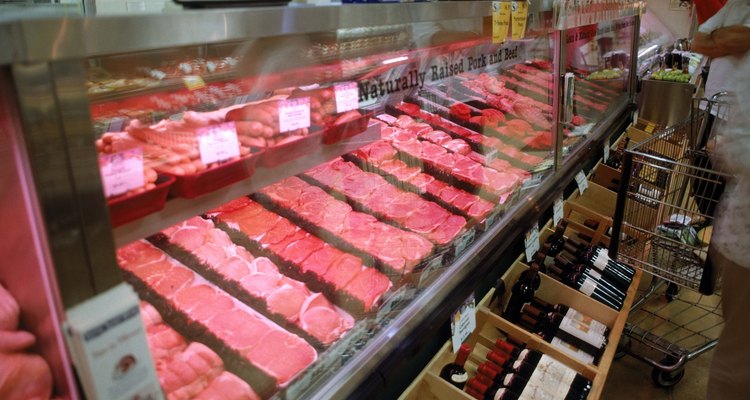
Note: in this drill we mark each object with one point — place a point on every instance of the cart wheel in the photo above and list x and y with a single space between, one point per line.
667 379
672 291
623 347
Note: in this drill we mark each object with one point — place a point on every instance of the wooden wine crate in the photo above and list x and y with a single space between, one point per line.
606 176
429 385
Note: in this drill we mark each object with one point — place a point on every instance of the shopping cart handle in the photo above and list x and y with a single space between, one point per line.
668 368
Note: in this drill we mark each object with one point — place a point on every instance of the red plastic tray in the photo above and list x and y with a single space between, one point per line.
336 133
274 156
129 208
191 186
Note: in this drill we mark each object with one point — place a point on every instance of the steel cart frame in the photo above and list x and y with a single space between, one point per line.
665 205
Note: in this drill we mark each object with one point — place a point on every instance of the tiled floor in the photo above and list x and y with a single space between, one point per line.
690 320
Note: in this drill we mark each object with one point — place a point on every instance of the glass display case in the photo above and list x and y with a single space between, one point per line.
302 190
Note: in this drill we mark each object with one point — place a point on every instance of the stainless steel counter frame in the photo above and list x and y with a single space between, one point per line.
46 58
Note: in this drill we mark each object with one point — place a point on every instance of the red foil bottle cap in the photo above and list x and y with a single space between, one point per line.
498 358
463 354
473 393
501 344
487 371
478 386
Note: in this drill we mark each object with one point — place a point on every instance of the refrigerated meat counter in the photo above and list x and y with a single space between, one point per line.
298 196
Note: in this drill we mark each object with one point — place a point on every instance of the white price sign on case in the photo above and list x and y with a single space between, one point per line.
347 96
531 242
294 114
218 143
463 322
582 182
557 211
122 171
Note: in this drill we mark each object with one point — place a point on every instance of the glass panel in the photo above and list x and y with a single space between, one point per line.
598 61
319 183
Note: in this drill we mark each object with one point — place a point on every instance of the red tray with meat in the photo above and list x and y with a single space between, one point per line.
128 208
211 179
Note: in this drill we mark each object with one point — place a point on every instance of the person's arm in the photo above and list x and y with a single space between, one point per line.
724 41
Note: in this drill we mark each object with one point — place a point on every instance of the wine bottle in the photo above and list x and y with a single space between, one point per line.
585 285
537 327
611 281
573 314
548 379
556 241
554 324
521 293
593 253
615 160
455 373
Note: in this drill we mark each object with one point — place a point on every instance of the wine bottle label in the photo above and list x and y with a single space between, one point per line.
594 274
552 377
531 392
549 261
600 262
460 378
572 351
582 318
583 332
588 287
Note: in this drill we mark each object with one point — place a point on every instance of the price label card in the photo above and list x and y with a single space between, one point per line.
294 114
217 143
582 182
122 172
108 344
463 322
194 82
387 118
428 273
500 21
606 152
531 242
347 96
557 211
520 14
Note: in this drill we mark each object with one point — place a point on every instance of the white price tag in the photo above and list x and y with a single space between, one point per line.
122 172
388 119
463 323
583 184
217 143
464 241
531 242
557 211
294 114
347 96
606 152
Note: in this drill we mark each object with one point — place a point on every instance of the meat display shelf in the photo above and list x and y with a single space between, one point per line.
47 70
178 209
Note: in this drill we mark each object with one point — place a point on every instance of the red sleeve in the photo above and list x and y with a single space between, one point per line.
707 8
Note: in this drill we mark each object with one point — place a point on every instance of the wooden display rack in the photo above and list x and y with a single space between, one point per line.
429 385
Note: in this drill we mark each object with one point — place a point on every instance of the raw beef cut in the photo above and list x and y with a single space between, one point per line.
427 185
235 270
390 204
201 310
309 259
358 229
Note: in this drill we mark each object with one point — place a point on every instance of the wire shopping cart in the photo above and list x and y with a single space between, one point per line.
662 224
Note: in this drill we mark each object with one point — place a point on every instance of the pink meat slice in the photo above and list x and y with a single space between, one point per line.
438 137
282 230
174 280
238 329
287 301
323 323
458 146
263 265
227 386
421 181
164 342
406 173
343 271
234 268
298 251
448 230
297 355
426 218
210 254
188 239
138 253
464 201
260 285
380 151
432 151
297 234
368 285
480 209
319 262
